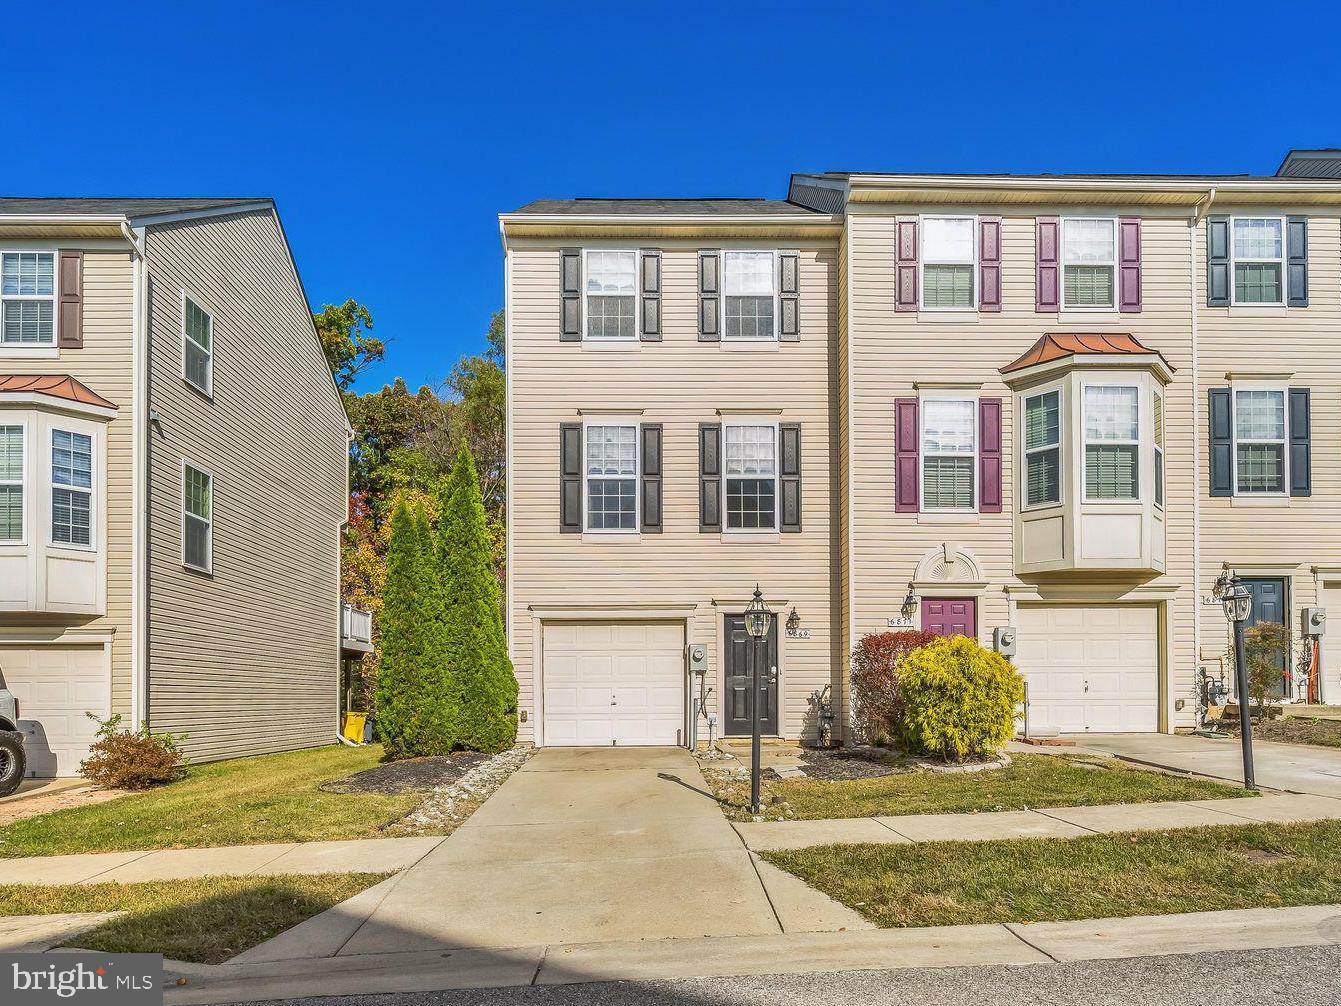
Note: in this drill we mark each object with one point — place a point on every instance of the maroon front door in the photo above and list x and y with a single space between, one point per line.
950 616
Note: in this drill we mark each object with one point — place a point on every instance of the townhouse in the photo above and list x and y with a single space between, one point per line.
173 479
1047 411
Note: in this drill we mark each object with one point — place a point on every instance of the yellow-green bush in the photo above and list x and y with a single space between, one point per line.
958 699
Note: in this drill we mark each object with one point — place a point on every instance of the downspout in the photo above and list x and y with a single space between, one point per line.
508 619
1193 226
139 582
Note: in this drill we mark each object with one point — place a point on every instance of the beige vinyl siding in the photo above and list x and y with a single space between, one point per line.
893 351
246 660
1287 538
105 365
679 383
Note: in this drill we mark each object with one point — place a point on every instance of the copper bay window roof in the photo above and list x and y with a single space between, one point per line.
1059 345
54 386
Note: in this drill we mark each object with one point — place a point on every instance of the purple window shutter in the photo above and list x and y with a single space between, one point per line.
989 455
905 455
1047 250
1129 264
905 266
989 264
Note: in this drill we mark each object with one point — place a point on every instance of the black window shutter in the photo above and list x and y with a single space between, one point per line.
709 296
1217 261
789 280
709 476
1222 442
649 327
790 469
570 478
570 295
1301 474
1296 249
649 483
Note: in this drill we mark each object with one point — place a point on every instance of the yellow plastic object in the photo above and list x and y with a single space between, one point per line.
353 728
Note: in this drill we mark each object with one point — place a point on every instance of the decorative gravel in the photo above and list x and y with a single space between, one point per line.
412 775
448 805
852 763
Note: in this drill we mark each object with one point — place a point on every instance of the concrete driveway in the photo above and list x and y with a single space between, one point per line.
1293 767
589 845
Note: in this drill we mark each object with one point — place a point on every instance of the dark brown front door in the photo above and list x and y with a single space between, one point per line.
741 653
950 616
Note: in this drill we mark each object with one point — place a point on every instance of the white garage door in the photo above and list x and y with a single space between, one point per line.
1090 668
55 687
613 683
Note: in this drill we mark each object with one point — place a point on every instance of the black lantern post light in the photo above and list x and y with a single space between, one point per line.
1238 605
758 619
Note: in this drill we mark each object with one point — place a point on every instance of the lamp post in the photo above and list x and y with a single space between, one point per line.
757 622
1238 605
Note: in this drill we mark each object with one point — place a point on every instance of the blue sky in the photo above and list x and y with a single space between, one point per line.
393 134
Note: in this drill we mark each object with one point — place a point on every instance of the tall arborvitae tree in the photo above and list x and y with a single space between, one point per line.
483 683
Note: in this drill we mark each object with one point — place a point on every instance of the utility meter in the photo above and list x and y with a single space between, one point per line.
1315 621
698 658
1003 640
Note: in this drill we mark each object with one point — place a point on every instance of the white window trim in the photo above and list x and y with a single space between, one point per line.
750 340
1233 261
44 349
208 390
1059 446
1284 391
923 454
727 530
1141 487
637 300
209 522
1112 264
24 481
1159 423
55 425
922 263
636 423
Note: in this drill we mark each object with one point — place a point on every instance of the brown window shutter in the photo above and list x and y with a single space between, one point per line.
71 323
570 478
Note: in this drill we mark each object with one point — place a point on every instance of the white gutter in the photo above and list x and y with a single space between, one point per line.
1193 226
807 220
1152 184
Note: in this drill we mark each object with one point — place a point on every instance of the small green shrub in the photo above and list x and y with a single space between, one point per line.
875 680
958 699
129 759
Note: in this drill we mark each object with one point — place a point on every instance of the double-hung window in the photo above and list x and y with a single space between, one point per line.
71 488
11 483
197 346
949 453
748 290
197 518
1259 441
611 476
751 476
611 294
1043 449
28 299
1159 450
1112 443
1257 248
949 258
1089 262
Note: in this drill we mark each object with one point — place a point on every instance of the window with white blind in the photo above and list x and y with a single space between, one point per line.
949 453
197 346
1260 457
1257 258
1089 262
71 488
949 261
751 476
1112 443
611 293
1043 449
12 456
611 487
749 291
197 518
1159 450
27 298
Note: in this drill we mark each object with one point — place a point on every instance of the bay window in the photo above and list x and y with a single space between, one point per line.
71 488
1043 449
749 294
611 293
1089 262
1159 450
949 260
28 299
611 479
1112 443
11 483
1259 441
751 476
1257 254
949 451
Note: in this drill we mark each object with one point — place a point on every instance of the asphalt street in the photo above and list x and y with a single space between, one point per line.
1308 975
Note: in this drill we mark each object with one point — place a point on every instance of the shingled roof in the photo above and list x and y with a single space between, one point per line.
63 206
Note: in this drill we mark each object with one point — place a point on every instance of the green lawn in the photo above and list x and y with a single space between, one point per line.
208 919
271 798
1030 780
1099 876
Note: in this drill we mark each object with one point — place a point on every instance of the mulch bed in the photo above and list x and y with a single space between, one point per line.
413 775
1291 730
852 763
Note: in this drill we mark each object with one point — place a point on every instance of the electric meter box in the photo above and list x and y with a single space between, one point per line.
1315 621
1004 640
698 658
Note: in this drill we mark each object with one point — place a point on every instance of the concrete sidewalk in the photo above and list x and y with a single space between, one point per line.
1059 822
374 855
783 953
